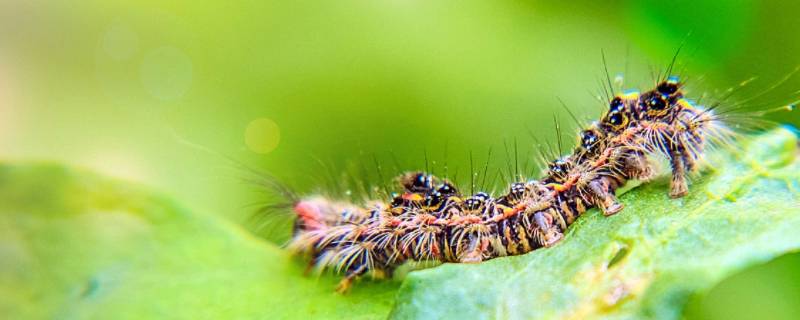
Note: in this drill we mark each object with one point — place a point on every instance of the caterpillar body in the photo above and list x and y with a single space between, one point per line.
432 220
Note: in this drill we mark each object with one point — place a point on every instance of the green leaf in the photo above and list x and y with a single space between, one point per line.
76 245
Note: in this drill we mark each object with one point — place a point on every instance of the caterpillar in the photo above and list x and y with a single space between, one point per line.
430 219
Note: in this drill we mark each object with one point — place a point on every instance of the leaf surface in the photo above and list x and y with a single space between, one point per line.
78 246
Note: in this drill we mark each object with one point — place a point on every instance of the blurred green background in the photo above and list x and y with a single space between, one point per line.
167 94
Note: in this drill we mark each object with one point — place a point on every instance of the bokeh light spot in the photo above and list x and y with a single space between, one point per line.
166 73
120 42
262 135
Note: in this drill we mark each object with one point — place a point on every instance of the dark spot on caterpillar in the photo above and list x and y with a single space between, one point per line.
397 200
667 88
616 119
558 170
558 167
616 105
434 199
447 189
518 188
588 139
417 182
656 102
476 202
515 194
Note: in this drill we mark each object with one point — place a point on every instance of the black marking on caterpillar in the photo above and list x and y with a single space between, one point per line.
432 220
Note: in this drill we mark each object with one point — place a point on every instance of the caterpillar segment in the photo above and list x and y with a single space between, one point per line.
431 220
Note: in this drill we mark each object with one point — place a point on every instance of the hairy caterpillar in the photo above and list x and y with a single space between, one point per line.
432 220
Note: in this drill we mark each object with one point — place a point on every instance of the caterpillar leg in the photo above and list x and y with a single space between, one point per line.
549 233
636 167
678 185
689 161
347 282
606 200
474 252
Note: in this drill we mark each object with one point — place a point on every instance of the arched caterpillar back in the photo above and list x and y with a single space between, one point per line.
432 220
